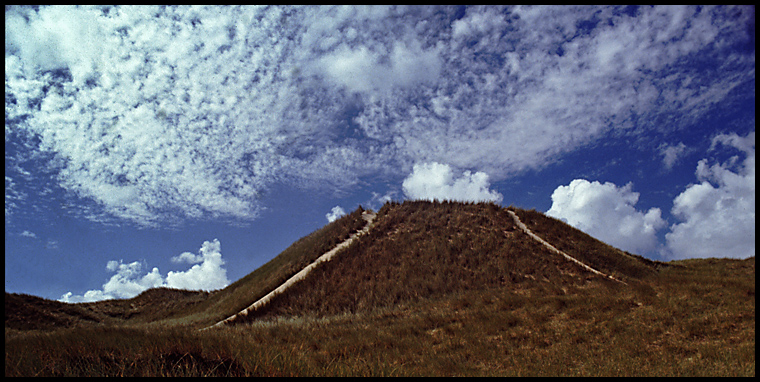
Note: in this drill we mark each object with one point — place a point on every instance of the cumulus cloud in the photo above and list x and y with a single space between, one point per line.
717 215
436 181
209 274
159 113
608 213
335 214
187 257
128 281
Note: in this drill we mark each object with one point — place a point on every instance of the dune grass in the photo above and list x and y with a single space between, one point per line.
422 250
488 302
698 322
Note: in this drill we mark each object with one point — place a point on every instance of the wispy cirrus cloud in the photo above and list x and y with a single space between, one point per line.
671 154
29 234
159 113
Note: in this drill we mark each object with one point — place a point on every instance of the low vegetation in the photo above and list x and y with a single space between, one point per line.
585 248
435 289
25 312
417 251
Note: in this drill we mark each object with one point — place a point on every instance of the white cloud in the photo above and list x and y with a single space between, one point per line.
29 234
57 37
436 181
608 213
717 215
51 244
477 22
672 154
412 65
378 200
356 69
208 275
364 71
335 214
129 280
161 113
187 257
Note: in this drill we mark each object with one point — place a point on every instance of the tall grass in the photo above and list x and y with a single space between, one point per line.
697 324
587 249
303 252
437 289
171 307
422 250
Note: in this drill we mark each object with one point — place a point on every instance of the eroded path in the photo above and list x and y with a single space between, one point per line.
327 256
530 233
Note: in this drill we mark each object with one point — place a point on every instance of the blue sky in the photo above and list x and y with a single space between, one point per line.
186 146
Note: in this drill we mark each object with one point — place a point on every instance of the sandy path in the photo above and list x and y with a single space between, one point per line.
555 250
327 256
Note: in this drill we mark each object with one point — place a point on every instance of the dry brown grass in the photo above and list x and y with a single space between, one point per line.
422 250
171 307
439 289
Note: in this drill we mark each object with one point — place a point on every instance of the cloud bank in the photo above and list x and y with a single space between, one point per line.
158 114
716 216
129 281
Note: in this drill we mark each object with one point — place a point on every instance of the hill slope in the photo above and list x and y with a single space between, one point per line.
422 250
172 307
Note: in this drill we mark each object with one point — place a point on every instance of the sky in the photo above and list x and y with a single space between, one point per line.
186 146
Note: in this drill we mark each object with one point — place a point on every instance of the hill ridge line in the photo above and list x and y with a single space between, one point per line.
327 256
530 233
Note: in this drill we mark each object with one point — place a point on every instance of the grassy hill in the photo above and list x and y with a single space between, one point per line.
420 250
433 289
